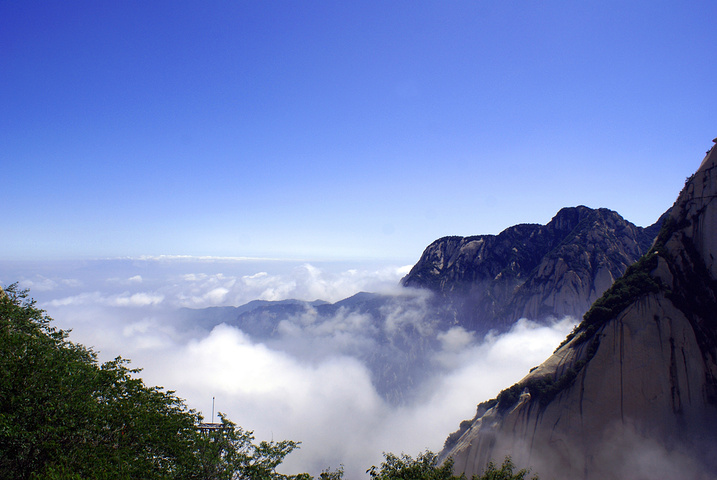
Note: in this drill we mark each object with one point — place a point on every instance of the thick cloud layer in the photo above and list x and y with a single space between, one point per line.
306 383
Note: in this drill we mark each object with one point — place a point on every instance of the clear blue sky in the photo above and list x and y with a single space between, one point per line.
311 129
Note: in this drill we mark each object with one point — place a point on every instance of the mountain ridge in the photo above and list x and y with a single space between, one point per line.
399 333
640 371
531 270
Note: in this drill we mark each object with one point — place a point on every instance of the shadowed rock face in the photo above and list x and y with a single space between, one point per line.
533 271
633 391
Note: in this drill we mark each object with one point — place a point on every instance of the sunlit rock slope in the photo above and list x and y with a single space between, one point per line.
633 391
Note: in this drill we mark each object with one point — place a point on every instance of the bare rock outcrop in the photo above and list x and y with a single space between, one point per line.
530 270
632 393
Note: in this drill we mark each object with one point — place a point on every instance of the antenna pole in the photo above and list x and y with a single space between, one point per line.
212 409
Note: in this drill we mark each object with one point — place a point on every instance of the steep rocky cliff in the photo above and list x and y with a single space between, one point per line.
529 270
632 393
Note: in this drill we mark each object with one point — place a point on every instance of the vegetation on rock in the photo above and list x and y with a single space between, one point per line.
636 282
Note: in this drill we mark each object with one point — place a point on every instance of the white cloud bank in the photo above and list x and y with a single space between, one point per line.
329 404
195 282
304 387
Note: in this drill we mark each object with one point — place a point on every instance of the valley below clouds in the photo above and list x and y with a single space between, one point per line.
348 379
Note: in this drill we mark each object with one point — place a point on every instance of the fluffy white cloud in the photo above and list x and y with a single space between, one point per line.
308 282
124 299
304 385
135 300
41 283
327 401
456 339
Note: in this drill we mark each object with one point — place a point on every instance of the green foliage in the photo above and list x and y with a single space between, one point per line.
636 282
543 389
509 397
230 453
329 474
423 467
64 416
506 472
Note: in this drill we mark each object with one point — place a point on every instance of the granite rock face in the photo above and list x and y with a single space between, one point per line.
532 271
632 393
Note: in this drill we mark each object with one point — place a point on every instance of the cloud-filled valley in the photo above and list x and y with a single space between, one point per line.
310 372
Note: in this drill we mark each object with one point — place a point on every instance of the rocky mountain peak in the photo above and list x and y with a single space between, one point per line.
632 393
531 270
568 218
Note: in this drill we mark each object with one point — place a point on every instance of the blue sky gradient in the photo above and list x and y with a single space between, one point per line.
339 130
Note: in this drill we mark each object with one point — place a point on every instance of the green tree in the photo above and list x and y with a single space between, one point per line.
42 376
423 467
65 416
506 472
230 453
329 474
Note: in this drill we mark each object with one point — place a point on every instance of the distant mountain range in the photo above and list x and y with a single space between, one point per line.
632 392
479 283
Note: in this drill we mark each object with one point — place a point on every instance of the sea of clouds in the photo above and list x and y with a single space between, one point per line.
304 385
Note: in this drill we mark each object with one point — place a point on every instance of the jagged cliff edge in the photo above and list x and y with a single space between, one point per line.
632 393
